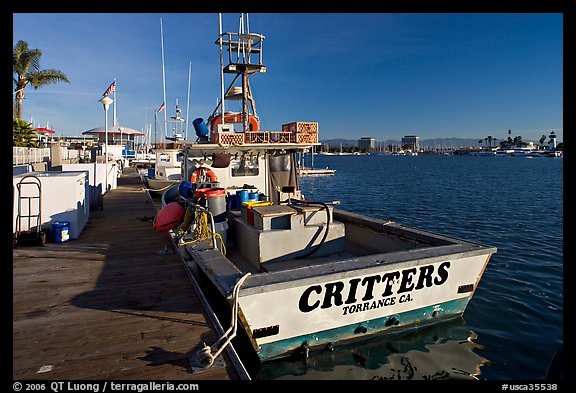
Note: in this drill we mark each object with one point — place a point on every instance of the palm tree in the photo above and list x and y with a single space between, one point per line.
26 69
23 134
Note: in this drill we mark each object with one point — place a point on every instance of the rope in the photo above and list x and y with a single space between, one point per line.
202 231
204 357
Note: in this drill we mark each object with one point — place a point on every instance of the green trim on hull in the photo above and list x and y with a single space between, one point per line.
391 324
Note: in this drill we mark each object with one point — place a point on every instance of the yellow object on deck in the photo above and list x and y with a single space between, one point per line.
252 204
248 214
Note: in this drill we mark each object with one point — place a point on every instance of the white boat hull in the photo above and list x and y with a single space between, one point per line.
337 307
159 186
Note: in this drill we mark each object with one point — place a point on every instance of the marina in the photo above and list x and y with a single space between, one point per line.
226 256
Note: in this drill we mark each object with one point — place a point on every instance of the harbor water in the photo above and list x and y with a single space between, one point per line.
513 325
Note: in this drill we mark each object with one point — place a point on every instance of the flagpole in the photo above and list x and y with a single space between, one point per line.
115 120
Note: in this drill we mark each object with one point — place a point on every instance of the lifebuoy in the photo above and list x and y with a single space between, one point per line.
202 174
232 117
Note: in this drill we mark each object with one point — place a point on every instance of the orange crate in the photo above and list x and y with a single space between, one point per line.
306 127
227 138
304 138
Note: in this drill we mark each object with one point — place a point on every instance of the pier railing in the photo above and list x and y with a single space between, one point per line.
32 155
29 155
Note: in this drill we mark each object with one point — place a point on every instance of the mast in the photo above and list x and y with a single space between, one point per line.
163 73
241 47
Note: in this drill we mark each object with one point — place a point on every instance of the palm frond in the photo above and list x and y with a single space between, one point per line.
46 77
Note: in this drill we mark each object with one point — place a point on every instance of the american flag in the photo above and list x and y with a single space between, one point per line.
162 107
110 89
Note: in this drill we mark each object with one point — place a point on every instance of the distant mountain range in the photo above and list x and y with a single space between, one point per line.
424 143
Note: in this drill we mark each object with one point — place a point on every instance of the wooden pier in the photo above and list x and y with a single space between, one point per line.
114 304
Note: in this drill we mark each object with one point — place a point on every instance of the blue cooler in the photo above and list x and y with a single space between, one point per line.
60 231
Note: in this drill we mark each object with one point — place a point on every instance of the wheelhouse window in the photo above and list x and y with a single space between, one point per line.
244 166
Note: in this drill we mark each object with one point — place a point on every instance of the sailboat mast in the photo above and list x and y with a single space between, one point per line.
163 74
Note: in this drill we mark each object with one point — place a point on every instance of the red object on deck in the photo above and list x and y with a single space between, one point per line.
169 217
210 193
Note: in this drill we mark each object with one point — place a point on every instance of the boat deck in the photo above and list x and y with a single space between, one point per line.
114 304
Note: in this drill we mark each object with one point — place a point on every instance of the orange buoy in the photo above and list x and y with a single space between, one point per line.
203 174
168 217
231 117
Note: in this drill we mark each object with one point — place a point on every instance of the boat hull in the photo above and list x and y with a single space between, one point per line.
285 318
159 186
407 321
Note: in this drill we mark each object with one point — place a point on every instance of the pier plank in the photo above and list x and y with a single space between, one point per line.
114 304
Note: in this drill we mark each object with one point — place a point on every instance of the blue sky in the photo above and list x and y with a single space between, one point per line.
383 75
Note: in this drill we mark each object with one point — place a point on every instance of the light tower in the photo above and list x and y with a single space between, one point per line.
552 141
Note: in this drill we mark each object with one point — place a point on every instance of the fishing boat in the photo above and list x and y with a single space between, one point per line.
295 274
166 170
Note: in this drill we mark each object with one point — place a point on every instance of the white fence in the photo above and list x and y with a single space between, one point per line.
29 155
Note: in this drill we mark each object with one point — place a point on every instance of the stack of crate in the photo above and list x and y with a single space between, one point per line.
302 131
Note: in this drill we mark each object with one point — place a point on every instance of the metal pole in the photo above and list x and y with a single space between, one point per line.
114 120
221 65
245 111
106 146
312 163
155 122
163 76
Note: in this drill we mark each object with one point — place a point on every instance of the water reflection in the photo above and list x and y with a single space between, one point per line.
441 352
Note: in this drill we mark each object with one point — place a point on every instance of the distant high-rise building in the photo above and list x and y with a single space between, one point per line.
412 141
366 142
